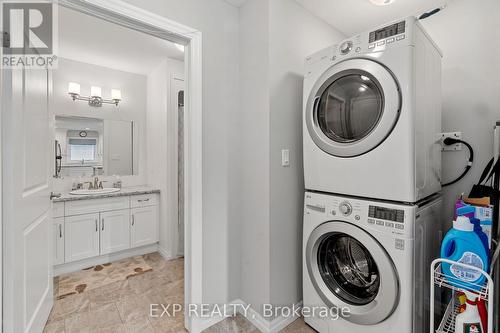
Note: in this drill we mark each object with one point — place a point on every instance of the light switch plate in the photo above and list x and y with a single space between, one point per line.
285 158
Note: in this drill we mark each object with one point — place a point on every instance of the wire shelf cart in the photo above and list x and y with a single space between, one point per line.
439 279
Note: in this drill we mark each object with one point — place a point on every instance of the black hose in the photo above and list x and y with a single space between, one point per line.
451 141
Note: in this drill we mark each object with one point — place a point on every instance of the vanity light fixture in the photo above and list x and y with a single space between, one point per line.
95 99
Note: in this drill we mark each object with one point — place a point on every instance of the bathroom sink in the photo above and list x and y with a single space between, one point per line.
98 191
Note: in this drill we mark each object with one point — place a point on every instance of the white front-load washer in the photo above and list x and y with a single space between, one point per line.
370 261
372 115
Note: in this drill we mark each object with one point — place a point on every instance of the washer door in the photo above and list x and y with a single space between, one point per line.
349 268
353 107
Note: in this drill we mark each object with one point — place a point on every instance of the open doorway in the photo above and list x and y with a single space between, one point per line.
108 236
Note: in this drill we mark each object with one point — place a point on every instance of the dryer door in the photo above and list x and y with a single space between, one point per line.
353 107
349 268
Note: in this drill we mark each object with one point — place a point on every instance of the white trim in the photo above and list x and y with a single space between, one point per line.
193 130
104 259
229 310
265 326
165 253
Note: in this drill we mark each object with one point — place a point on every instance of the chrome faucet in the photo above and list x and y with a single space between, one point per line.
96 183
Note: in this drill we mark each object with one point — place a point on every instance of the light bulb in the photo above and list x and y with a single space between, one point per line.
73 88
95 92
116 95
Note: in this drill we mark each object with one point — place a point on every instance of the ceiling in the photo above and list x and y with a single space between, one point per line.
237 3
91 40
354 16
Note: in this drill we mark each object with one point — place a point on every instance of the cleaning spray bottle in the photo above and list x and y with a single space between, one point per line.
469 321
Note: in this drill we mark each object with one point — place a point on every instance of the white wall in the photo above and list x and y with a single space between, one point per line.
275 38
294 34
468 34
218 22
251 154
131 108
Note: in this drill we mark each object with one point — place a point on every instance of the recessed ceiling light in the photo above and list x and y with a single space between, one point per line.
382 2
179 47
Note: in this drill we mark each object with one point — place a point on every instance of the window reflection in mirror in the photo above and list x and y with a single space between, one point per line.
94 147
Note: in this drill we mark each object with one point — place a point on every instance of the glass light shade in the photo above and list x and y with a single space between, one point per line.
95 92
74 88
116 94
382 2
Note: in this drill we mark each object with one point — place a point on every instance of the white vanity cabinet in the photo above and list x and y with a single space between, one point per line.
115 231
58 234
81 239
144 224
88 231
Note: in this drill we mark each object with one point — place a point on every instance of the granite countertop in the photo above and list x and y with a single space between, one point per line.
125 191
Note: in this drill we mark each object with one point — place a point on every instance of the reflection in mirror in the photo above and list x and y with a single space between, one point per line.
91 147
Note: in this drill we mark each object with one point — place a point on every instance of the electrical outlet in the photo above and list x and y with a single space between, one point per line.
454 135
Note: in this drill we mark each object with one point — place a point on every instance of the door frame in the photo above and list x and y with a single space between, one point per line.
132 16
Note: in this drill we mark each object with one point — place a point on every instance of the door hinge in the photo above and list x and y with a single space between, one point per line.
5 39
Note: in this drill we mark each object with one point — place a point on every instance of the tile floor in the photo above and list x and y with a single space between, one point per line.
123 307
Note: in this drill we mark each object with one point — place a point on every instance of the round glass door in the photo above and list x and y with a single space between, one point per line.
353 107
350 108
350 269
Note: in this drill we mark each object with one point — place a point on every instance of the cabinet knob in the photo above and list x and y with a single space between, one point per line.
102 224
96 226
60 230
133 219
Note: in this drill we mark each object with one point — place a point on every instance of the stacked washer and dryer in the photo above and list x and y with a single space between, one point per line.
372 163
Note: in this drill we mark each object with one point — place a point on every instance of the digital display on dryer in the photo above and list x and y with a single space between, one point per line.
382 213
388 31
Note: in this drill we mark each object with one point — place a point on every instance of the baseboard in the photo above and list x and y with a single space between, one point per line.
165 253
85 263
209 322
265 326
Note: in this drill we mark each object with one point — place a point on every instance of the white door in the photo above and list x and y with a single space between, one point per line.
144 226
58 240
115 231
81 237
27 147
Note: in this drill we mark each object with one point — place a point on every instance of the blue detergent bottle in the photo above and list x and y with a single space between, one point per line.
470 212
463 245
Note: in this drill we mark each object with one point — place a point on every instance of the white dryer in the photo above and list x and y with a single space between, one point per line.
372 258
372 115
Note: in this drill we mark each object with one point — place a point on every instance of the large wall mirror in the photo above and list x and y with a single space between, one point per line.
93 147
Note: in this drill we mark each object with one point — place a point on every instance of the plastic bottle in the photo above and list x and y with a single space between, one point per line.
469 321
470 212
463 245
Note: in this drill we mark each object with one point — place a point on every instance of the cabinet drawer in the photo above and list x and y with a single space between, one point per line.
95 205
57 209
143 200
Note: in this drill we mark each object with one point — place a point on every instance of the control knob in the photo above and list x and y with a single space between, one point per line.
345 208
346 47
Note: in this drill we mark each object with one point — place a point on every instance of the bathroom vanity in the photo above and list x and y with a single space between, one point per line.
99 228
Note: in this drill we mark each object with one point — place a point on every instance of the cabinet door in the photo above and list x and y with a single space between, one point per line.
144 226
115 231
58 232
81 237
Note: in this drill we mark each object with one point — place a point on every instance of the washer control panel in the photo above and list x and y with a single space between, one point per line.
389 218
